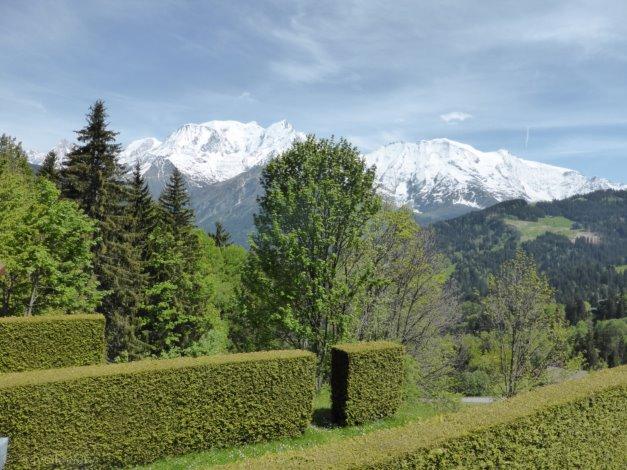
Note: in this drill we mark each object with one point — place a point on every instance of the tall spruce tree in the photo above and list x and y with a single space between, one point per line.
93 177
176 312
175 204
49 168
143 210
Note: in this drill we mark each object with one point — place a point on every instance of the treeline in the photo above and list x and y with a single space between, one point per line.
579 270
83 235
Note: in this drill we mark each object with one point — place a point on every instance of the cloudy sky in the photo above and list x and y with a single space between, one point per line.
544 79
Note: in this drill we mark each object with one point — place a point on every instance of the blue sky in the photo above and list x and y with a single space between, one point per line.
544 79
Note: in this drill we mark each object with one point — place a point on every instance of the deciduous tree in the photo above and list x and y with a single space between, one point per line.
317 199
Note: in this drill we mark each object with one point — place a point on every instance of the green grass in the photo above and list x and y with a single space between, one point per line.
321 431
621 268
531 230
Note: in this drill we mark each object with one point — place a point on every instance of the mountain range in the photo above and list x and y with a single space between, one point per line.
438 179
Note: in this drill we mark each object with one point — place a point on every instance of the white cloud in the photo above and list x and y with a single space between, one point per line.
455 116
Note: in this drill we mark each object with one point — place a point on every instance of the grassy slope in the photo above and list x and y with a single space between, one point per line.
322 431
532 230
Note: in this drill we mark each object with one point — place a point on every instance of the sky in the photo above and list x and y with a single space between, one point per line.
544 79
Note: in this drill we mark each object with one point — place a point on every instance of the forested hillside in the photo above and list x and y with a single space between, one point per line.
580 243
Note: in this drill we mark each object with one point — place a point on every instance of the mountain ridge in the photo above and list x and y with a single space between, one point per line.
437 178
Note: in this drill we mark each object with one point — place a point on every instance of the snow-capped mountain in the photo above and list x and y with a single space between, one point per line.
61 149
438 178
212 151
442 175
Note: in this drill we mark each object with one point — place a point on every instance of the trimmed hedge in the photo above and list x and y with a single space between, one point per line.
366 381
46 341
122 414
575 424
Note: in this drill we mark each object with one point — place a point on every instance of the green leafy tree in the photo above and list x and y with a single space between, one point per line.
94 178
12 156
49 168
45 244
317 199
526 324
406 297
611 340
220 236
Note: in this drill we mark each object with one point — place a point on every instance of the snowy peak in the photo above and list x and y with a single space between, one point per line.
433 173
214 151
137 151
62 148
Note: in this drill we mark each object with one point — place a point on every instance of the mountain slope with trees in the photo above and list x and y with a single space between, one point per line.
584 266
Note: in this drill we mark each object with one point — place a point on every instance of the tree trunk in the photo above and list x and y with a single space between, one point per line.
33 296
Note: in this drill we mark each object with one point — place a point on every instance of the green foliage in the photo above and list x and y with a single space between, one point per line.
579 269
45 246
49 168
117 415
405 297
527 328
610 338
317 197
366 381
12 156
177 309
569 425
93 177
47 341
175 204
221 237
323 431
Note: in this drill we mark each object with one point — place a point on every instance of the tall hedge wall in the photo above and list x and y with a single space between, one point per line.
44 342
576 424
366 381
121 414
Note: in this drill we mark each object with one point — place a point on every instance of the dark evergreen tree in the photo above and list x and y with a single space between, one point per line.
175 205
49 168
93 177
221 237
176 312
143 210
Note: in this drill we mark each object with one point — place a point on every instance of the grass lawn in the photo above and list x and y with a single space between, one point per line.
320 432
532 230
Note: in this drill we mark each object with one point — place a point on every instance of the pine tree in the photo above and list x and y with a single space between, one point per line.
93 177
49 167
221 237
176 312
142 210
175 205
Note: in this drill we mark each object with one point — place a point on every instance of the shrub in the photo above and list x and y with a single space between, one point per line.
122 414
575 424
475 383
44 342
366 381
